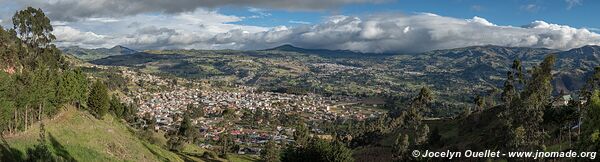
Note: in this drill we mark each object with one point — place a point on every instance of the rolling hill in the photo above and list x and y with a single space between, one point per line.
98 53
74 135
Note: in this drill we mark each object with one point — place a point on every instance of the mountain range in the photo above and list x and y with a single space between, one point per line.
98 53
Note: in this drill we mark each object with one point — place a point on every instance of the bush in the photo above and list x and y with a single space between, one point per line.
210 155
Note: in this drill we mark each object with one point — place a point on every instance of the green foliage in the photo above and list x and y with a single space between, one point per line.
423 99
195 111
78 136
590 140
593 83
72 88
301 135
210 155
6 100
510 91
176 143
8 49
228 114
33 27
41 152
319 151
36 82
271 152
98 101
226 143
421 135
526 114
518 68
400 148
117 107
480 102
186 128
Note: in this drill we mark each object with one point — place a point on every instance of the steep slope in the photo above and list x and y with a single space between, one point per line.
574 67
489 63
472 63
76 135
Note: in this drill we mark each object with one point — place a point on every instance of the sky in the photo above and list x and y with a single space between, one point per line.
380 26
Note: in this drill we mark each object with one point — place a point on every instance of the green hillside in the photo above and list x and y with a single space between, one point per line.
79 136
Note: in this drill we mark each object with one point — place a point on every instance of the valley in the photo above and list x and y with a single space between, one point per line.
185 84
458 75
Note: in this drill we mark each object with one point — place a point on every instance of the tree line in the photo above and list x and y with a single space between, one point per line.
36 80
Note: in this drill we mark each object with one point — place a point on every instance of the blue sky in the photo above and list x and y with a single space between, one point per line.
580 14
404 26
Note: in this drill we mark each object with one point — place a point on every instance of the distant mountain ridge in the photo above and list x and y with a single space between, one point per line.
97 53
571 69
324 52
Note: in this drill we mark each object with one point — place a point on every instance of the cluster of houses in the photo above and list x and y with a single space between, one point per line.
167 106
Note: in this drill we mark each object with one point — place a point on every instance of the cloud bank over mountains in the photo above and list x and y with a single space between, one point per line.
379 33
189 24
69 10
414 33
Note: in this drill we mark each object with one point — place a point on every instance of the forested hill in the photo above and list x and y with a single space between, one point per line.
36 82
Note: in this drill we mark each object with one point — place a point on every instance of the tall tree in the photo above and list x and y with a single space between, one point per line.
319 150
518 70
33 64
271 152
33 27
7 103
400 148
480 102
116 107
590 137
98 101
81 88
301 135
414 115
339 152
529 111
8 50
421 135
226 143
67 87
186 128
510 92
423 99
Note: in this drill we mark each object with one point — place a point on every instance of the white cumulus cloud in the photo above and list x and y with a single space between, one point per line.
205 29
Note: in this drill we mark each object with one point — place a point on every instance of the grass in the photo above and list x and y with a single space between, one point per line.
78 135
242 158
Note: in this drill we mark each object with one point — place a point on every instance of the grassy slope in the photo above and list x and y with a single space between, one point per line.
78 135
